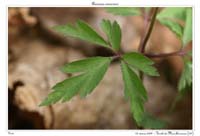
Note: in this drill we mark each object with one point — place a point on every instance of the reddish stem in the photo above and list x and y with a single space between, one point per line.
148 32
176 53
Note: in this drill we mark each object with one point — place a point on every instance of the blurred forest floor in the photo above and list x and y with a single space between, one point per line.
35 54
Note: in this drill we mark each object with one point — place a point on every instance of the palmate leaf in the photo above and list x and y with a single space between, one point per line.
82 31
113 32
92 70
83 83
124 11
140 62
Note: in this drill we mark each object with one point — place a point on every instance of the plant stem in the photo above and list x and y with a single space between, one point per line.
148 31
146 22
176 53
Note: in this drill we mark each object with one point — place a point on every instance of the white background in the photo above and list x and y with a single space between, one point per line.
4 4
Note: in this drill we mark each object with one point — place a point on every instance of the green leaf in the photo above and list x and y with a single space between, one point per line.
106 26
140 62
113 32
84 83
94 76
187 34
173 26
65 89
84 65
173 13
115 36
149 121
186 77
135 91
170 16
82 31
124 11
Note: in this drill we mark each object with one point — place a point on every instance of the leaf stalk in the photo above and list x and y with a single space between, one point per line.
147 34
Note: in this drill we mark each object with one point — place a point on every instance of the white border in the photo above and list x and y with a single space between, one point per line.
86 3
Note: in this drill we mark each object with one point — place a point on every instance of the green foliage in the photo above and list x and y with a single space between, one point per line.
64 90
148 121
172 13
140 62
173 26
171 18
84 65
82 31
187 34
135 91
124 11
113 33
92 70
106 26
84 83
186 77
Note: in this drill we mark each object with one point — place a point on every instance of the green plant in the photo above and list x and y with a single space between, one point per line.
133 64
